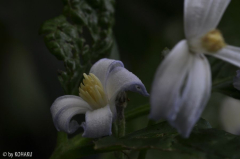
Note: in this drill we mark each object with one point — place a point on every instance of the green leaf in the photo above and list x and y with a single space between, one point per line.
74 148
204 141
80 37
158 136
222 77
212 142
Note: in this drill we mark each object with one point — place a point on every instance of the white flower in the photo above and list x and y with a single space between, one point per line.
236 81
97 99
182 83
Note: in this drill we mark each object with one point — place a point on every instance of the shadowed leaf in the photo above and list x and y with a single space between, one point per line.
80 37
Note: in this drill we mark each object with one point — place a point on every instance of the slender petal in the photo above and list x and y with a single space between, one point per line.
98 123
103 67
64 108
195 96
202 16
168 81
230 54
119 80
236 81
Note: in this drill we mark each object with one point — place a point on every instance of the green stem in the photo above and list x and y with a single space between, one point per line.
121 103
61 138
121 128
74 148
115 129
142 154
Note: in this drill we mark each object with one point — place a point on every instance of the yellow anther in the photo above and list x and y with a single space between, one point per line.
213 41
92 91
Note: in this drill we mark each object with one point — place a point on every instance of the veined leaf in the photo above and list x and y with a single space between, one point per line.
204 141
80 37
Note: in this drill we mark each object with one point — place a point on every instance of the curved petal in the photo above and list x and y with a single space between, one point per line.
195 96
103 67
168 81
119 80
98 123
229 54
202 16
236 81
64 108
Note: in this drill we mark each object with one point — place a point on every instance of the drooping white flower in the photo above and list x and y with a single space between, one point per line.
98 92
182 83
236 81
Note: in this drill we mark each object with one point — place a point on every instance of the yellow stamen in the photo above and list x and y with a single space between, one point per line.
213 41
92 91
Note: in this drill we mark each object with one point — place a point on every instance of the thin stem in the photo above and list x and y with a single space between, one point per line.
121 103
61 138
142 154
115 129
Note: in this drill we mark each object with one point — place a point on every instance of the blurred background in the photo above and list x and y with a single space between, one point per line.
29 83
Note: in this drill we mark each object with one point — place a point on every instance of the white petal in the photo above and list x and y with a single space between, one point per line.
202 16
103 67
119 80
229 54
195 97
168 81
98 123
64 108
236 81
229 115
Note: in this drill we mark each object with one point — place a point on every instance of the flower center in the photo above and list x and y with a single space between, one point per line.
92 91
213 41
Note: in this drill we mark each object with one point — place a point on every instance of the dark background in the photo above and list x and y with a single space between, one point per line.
29 82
